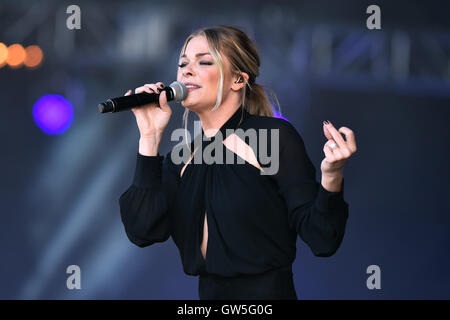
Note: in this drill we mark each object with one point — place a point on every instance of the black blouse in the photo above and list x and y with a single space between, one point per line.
253 219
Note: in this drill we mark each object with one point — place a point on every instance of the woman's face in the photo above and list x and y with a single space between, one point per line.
197 67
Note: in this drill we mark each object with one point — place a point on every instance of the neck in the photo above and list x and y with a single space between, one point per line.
212 121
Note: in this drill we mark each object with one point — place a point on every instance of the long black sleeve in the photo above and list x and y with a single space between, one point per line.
144 205
318 215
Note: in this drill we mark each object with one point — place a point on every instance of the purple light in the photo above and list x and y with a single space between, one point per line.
277 114
53 114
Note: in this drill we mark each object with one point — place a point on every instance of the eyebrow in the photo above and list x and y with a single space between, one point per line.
197 55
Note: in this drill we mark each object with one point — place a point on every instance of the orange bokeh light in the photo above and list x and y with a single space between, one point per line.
33 57
3 54
16 55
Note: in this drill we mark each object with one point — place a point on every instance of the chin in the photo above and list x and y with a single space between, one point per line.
197 105
189 105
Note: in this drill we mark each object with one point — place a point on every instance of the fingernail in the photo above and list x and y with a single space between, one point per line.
325 122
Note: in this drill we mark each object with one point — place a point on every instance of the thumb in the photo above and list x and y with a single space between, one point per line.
163 101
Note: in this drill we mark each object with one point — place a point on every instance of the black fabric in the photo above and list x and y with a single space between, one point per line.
253 219
275 284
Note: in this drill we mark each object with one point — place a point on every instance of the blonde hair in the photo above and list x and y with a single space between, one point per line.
243 56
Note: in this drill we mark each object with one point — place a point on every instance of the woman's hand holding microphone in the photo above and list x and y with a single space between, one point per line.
151 119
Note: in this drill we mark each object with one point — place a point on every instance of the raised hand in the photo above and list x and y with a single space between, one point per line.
153 118
337 150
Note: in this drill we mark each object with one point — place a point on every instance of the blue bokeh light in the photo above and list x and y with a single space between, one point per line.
277 114
53 114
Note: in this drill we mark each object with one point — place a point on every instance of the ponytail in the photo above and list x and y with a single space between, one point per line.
256 101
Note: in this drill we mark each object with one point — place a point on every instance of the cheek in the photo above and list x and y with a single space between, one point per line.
212 78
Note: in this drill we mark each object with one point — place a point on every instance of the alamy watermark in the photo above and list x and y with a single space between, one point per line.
374 280
374 20
74 280
255 152
74 20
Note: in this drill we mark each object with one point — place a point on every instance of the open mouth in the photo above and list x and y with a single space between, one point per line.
191 87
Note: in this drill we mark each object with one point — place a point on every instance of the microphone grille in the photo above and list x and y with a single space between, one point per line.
180 91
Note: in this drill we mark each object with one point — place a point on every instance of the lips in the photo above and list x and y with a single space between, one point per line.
191 85
192 88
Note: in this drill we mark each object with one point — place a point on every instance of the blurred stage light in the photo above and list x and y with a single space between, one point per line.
277 114
33 57
16 55
53 114
3 54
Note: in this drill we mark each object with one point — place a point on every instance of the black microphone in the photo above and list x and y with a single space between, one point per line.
177 91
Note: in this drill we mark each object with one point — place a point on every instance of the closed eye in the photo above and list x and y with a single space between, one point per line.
202 62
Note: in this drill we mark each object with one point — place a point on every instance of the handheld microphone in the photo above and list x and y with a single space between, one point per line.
176 91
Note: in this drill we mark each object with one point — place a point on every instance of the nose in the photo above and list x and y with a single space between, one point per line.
187 70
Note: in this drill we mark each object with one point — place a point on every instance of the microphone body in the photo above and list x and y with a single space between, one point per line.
176 91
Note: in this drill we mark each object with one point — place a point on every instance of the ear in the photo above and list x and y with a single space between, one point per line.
239 81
